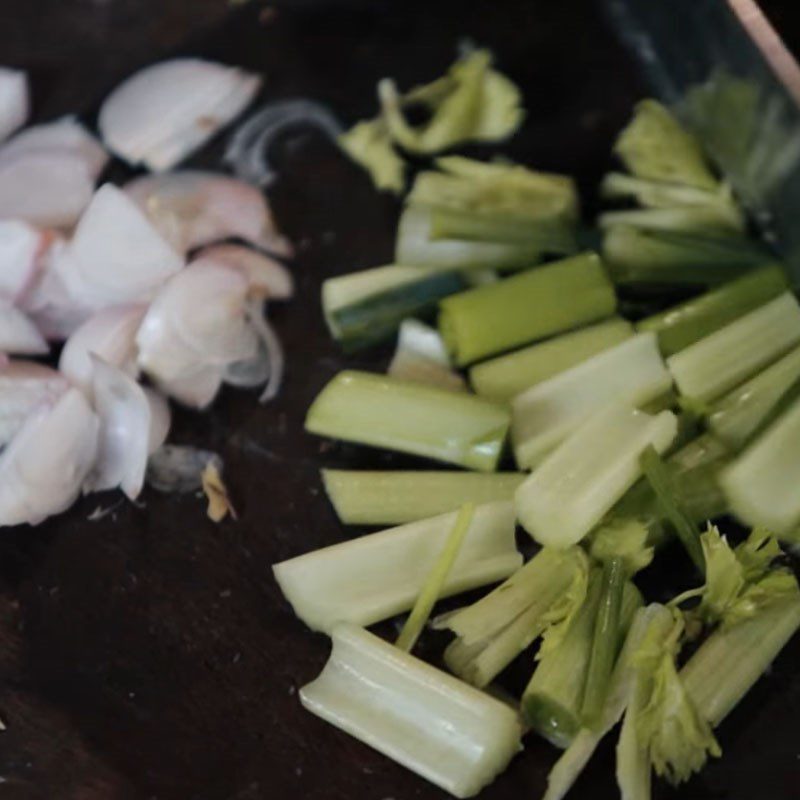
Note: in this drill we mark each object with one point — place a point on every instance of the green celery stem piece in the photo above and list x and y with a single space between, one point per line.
689 322
504 377
526 307
432 587
786 401
660 479
605 641
731 660
428 421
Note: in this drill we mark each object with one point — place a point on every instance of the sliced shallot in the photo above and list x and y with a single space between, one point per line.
160 419
124 413
14 100
22 248
192 208
43 468
164 112
109 334
268 278
18 334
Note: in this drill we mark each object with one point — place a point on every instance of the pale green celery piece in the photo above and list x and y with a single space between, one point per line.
658 194
631 372
687 323
411 712
548 590
526 307
761 484
736 416
627 538
720 361
365 307
369 144
728 664
699 219
634 775
653 620
421 357
480 105
635 255
655 146
579 482
504 377
436 579
374 577
395 497
380 411
415 245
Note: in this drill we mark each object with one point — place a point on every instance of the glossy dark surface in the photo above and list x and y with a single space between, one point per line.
149 654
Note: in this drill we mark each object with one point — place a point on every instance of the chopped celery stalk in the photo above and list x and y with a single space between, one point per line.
392 498
374 577
786 401
436 579
634 775
635 255
399 415
549 236
605 640
551 704
505 376
761 484
627 538
414 245
737 416
580 481
472 103
669 727
365 307
548 590
712 366
653 620
657 194
631 372
421 357
691 321
711 220
655 146
369 144
728 664
408 710
660 479
529 306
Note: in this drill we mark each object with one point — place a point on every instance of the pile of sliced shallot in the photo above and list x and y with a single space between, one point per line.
157 288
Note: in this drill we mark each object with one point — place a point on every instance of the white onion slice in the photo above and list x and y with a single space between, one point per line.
160 419
116 255
192 208
179 468
24 388
14 100
268 278
274 351
43 468
22 248
109 334
65 136
18 334
165 112
124 413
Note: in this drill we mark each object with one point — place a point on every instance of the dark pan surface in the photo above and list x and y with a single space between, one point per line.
149 654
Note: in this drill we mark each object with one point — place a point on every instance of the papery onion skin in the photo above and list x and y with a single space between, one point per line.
43 468
14 100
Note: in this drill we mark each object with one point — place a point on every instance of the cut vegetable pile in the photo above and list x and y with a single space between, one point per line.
156 288
629 434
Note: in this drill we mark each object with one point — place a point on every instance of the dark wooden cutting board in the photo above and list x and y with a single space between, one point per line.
149 654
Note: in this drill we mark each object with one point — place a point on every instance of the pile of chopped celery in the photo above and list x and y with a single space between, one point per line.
606 439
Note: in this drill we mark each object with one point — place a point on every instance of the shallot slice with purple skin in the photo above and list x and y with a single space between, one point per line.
192 208
45 465
268 278
109 334
14 100
22 250
116 255
160 419
124 436
18 334
66 136
196 326
25 387
163 113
